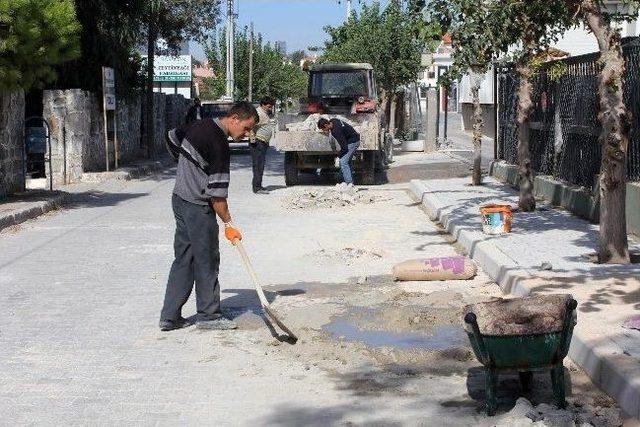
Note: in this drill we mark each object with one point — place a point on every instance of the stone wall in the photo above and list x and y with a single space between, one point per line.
68 114
11 142
129 123
159 119
176 110
77 132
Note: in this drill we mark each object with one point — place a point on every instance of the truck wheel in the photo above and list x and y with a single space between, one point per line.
368 174
290 169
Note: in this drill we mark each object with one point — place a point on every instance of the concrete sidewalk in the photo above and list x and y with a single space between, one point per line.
30 204
607 295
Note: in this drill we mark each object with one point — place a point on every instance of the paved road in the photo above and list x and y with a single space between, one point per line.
82 290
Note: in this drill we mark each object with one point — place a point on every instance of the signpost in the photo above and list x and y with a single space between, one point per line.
172 68
109 104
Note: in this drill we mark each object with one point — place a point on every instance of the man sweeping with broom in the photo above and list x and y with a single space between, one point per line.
200 193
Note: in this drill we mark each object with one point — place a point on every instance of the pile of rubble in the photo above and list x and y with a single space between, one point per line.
348 255
579 413
329 198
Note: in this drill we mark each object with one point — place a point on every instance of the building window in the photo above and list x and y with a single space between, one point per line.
432 74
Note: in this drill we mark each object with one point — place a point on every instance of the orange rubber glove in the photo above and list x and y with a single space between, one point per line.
231 233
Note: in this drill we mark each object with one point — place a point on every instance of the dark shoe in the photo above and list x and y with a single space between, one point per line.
260 190
170 325
221 324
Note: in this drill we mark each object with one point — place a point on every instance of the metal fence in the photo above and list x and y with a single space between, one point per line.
564 125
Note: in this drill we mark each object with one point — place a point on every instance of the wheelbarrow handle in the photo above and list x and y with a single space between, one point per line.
472 320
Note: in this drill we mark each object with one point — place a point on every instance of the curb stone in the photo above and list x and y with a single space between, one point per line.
127 173
39 208
61 198
607 374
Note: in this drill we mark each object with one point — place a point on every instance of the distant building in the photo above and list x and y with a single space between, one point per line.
435 64
281 46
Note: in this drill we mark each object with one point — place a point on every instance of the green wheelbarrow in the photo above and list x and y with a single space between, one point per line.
524 335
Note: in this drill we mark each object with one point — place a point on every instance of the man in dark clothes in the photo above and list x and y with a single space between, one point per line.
349 141
200 193
259 144
195 111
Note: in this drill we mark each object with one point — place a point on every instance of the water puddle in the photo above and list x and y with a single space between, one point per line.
444 337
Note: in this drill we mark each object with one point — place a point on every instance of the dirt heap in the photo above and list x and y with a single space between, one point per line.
520 316
580 412
329 198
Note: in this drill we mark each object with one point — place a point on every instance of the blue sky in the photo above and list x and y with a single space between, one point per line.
297 22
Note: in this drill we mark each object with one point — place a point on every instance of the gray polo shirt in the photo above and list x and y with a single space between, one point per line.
203 172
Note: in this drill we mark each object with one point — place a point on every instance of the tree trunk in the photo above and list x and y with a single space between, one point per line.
393 99
149 123
527 201
614 117
478 124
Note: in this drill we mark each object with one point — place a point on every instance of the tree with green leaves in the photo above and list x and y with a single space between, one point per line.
477 40
297 56
174 21
109 36
614 116
387 39
533 26
35 36
538 23
273 74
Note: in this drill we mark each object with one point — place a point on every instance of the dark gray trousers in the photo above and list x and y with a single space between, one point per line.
258 157
197 259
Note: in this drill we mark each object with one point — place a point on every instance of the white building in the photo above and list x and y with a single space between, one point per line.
436 64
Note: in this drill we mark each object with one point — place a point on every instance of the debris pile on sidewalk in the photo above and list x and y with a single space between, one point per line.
347 256
329 198
580 412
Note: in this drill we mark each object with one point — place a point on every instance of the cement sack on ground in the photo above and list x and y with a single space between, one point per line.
427 269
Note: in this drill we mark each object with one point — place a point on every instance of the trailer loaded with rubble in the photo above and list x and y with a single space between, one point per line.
336 90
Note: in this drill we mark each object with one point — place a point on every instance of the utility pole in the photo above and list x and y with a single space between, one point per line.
230 48
251 63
